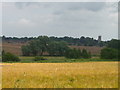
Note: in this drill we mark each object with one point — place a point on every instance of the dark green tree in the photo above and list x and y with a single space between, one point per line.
76 54
53 48
109 53
9 57
26 50
79 53
34 47
85 54
57 48
114 43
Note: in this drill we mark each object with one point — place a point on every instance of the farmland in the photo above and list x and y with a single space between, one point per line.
60 75
15 48
41 68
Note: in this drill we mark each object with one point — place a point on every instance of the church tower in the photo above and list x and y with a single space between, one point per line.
99 39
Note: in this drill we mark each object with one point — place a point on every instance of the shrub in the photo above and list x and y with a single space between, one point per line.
85 54
38 58
76 54
9 57
109 53
89 53
26 50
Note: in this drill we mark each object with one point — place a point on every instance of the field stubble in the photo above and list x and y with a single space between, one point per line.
60 75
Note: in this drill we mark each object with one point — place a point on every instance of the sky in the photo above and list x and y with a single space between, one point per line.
74 19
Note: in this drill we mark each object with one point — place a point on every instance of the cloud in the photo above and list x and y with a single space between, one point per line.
93 6
25 22
60 19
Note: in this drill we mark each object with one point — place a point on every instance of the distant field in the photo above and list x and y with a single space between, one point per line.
15 48
60 75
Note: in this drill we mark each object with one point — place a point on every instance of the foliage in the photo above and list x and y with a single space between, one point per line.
36 47
85 54
82 41
109 53
44 44
38 58
114 43
9 57
76 53
112 50
26 50
57 48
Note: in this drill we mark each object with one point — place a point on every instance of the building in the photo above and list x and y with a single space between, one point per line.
99 39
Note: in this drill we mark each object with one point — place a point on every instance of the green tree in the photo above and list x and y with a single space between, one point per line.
34 47
79 53
26 50
89 55
62 47
57 48
73 53
85 53
114 43
43 42
9 57
53 48
109 53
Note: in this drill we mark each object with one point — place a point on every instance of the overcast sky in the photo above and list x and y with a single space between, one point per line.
60 19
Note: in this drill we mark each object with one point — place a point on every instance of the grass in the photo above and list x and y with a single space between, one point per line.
60 60
60 75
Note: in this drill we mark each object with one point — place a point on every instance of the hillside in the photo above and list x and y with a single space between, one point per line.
15 48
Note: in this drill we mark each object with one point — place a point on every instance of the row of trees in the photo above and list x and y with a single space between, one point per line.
82 41
77 53
112 51
44 44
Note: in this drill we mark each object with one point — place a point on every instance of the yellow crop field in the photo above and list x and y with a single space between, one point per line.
60 75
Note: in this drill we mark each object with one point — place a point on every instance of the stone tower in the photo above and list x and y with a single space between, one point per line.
99 39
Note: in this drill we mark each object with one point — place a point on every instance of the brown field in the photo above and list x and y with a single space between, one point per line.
60 75
15 48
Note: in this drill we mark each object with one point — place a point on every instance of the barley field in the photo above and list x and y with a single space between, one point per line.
60 75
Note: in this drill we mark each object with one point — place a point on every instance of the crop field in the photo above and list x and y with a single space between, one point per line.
60 75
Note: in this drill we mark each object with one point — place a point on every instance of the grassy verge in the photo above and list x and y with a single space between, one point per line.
60 60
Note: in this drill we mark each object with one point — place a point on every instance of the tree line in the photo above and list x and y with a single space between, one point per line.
82 41
45 44
112 50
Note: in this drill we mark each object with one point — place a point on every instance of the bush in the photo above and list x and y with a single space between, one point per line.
26 50
76 54
9 57
38 58
109 53
85 54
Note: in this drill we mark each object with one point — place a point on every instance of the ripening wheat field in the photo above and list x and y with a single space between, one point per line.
60 75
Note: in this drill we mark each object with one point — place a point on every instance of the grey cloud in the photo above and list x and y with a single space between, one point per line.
60 19
93 6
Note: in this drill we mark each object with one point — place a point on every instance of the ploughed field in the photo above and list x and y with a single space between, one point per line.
60 75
